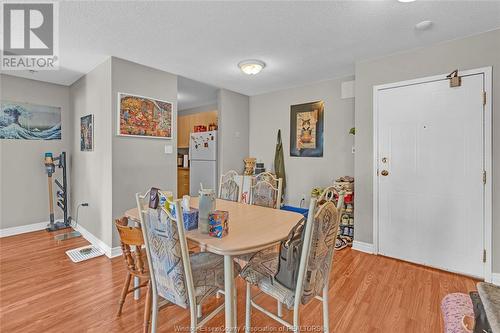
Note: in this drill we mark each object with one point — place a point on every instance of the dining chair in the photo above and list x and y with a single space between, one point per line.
178 278
316 259
132 241
266 190
229 188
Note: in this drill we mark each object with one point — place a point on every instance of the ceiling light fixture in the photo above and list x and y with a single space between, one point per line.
406 1
251 67
424 25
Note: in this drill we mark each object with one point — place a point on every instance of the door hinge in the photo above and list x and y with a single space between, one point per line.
484 98
484 255
484 177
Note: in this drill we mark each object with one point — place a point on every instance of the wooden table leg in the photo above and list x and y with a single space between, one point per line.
230 294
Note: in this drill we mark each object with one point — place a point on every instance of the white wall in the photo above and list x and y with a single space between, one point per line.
23 181
233 140
140 163
92 169
270 112
467 53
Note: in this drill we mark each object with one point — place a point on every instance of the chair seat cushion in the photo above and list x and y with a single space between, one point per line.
208 273
260 271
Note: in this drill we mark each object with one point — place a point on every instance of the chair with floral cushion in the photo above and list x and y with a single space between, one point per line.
316 259
176 276
229 188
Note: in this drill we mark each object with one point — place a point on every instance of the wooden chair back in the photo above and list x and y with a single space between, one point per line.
132 241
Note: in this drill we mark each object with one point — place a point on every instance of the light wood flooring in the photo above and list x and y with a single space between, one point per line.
41 290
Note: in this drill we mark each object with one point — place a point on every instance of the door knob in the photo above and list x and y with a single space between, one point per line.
384 173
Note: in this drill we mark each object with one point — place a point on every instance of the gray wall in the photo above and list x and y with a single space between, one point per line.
23 181
140 163
92 170
233 144
270 112
198 109
468 53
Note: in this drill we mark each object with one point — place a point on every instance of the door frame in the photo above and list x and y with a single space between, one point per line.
487 140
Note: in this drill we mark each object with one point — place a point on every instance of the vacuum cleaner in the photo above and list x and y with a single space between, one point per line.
62 191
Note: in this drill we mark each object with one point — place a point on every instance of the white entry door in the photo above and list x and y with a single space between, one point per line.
430 163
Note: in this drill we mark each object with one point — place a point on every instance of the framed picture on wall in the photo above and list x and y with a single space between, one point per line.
87 133
26 121
306 129
142 116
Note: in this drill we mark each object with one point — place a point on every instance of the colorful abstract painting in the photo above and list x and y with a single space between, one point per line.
306 129
144 117
24 121
87 133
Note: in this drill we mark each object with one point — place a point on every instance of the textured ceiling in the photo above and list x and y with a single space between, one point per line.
301 42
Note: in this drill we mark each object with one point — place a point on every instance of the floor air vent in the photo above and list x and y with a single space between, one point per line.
84 253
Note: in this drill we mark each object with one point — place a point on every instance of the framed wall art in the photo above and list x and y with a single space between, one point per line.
306 129
87 133
141 116
25 121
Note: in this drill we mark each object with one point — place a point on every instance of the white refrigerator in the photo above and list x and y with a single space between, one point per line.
203 161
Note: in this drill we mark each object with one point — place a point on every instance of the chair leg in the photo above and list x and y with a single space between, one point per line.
280 309
248 308
124 293
296 328
199 312
147 309
326 317
194 320
154 311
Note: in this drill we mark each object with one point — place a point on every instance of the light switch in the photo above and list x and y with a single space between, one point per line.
237 134
169 149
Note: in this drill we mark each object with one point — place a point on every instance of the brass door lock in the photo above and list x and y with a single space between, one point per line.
384 173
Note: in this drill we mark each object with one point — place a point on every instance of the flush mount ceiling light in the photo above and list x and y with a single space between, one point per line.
251 67
406 0
424 25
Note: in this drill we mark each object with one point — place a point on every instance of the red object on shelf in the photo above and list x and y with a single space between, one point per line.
200 128
348 198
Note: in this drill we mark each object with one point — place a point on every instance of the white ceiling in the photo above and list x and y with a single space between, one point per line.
192 94
301 42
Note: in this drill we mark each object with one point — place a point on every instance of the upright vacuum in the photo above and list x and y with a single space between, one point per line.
62 191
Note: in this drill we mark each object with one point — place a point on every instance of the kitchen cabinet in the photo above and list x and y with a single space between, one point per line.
182 182
186 124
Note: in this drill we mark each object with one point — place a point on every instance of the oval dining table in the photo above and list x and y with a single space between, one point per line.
251 228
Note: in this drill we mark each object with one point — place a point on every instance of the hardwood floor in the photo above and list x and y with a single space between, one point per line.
41 290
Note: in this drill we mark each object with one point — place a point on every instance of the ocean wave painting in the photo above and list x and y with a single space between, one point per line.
24 121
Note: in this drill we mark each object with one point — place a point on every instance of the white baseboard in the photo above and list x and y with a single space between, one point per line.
108 251
495 278
12 231
116 251
362 246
